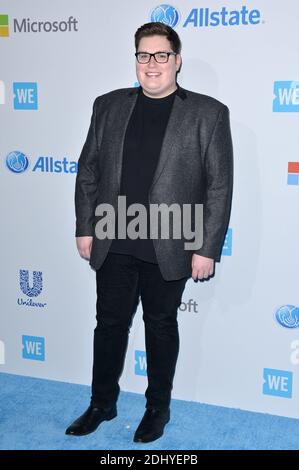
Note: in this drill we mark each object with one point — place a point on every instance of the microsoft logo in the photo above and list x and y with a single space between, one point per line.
27 25
4 32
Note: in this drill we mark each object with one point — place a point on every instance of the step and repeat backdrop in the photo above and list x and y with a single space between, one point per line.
239 332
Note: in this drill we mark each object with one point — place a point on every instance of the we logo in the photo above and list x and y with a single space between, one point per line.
25 95
278 383
33 348
286 97
140 363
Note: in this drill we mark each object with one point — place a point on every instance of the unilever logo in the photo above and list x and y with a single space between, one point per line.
17 162
37 286
288 316
166 14
33 290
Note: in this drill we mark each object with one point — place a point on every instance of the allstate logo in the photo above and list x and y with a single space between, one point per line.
166 14
17 162
288 316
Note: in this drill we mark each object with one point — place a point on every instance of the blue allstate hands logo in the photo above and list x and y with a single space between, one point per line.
17 162
166 14
288 316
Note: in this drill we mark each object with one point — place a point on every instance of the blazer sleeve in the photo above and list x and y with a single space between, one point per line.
219 185
86 187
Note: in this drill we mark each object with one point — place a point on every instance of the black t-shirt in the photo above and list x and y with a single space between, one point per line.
142 146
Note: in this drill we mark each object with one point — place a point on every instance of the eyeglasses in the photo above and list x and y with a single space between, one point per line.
160 57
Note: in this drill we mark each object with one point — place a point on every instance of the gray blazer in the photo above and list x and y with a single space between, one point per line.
195 166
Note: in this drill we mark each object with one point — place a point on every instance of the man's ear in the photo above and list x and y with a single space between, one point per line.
178 62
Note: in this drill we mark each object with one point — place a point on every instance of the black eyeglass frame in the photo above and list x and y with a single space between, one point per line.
154 56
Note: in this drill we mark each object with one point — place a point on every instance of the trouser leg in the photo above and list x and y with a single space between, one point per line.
117 301
160 302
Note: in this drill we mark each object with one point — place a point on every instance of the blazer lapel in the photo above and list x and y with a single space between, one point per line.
120 124
171 137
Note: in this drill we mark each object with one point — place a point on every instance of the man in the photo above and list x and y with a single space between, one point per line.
154 144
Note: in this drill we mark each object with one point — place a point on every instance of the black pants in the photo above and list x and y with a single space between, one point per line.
120 281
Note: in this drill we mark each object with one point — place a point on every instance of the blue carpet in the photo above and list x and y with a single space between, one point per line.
35 413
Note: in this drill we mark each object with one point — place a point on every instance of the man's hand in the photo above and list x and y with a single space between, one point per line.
202 267
84 245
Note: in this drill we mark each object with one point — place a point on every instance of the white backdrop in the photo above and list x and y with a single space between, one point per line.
234 351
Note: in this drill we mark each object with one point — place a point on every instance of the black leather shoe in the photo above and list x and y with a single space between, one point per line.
152 425
90 420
